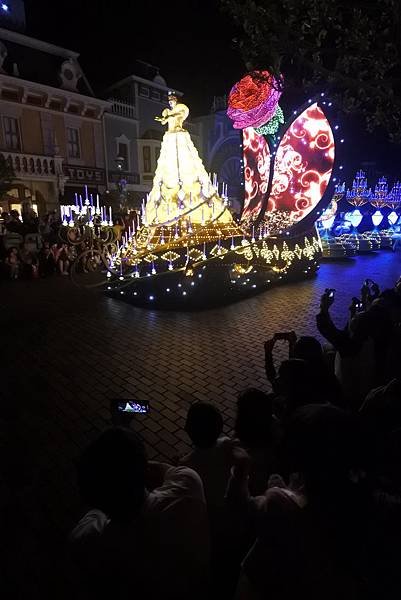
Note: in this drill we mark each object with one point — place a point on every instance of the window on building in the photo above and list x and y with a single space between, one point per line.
73 147
144 91
12 133
123 153
155 95
147 161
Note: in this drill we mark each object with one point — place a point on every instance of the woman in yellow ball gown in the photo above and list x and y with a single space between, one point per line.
181 186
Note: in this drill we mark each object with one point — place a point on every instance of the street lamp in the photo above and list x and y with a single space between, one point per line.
122 182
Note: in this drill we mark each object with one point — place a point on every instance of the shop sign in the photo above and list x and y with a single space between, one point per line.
83 175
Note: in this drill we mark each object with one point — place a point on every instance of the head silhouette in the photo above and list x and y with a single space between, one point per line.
296 384
204 424
322 442
254 418
111 473
309 349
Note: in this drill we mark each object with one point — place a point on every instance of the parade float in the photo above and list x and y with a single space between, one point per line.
334 248
189 250
372 223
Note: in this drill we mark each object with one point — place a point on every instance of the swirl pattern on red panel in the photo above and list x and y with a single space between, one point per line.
256 156
303 164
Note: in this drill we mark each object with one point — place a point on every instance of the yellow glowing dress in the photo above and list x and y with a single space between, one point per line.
181 186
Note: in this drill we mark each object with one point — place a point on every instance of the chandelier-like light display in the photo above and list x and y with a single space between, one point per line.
87 226
394 196
86 212
380 197
359 194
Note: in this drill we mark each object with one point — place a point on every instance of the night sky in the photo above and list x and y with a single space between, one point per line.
191 43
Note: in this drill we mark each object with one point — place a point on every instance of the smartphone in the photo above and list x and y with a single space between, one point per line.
331 293
133 406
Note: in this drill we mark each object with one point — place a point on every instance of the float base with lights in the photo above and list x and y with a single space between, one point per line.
189 251
353 230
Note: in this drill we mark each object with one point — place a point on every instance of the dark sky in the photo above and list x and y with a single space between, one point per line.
190 41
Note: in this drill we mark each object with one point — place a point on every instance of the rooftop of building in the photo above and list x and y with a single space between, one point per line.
38 61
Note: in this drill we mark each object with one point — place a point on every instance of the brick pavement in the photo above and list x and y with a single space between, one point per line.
67 352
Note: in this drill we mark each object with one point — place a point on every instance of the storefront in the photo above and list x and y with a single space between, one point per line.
18 198
80 178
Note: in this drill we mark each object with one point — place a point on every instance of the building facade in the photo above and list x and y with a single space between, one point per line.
51 125
59 137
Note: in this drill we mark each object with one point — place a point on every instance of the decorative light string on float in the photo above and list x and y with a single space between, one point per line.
265 257
187 211
192 258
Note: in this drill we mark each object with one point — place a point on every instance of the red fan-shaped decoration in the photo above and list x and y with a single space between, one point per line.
303 165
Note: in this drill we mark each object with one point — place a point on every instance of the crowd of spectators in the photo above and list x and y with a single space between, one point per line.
31 247
302 499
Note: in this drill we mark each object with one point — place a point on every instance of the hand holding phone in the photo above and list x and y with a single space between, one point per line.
355 306
327 299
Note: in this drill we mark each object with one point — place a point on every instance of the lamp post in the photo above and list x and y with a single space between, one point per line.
121 183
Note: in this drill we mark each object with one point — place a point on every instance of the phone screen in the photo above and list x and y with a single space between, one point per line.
331 295
133 406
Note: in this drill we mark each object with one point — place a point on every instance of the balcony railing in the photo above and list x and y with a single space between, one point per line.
29 165
123 109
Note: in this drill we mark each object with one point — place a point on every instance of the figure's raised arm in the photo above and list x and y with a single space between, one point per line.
163 119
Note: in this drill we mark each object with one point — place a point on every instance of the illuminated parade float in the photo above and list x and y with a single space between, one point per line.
189 249
373 223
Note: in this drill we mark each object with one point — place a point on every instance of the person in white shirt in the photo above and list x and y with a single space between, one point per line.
134 542
211 456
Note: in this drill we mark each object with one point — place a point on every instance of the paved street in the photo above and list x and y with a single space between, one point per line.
66 352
